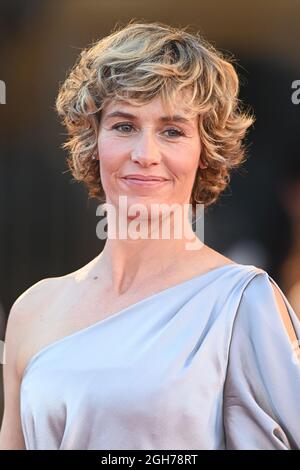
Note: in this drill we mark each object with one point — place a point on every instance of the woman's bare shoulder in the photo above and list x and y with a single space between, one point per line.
38 311
42 291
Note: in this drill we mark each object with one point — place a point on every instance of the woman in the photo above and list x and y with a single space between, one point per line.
153 344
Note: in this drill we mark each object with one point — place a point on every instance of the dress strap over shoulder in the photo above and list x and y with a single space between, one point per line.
262 390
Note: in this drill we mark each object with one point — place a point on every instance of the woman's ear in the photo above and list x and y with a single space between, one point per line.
202 165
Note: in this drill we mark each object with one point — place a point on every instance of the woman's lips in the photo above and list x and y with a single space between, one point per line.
141 182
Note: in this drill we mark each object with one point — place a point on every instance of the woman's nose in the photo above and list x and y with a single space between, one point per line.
145 150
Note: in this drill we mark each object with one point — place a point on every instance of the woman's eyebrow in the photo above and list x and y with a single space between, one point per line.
123 114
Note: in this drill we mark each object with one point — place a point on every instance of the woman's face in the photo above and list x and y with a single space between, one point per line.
142 140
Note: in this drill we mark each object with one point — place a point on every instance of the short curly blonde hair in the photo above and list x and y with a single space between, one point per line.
138 62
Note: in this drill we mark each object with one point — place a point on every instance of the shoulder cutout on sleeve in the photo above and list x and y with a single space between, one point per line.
282 309
265 294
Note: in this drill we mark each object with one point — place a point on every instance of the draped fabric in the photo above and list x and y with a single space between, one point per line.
205 364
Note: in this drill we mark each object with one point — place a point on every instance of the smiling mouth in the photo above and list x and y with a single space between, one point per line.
144 182
145 177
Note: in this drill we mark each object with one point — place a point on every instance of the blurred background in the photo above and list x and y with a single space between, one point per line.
47 222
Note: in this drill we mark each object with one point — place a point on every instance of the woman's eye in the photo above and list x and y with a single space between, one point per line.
122 125
122 128
177 132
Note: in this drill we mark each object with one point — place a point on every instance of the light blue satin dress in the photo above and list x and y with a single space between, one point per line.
205 364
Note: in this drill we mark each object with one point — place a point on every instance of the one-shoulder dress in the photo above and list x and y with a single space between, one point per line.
204 364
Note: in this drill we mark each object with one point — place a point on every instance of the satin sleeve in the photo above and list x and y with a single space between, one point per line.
262 386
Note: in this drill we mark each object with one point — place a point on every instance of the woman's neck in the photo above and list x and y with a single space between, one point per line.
127 263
